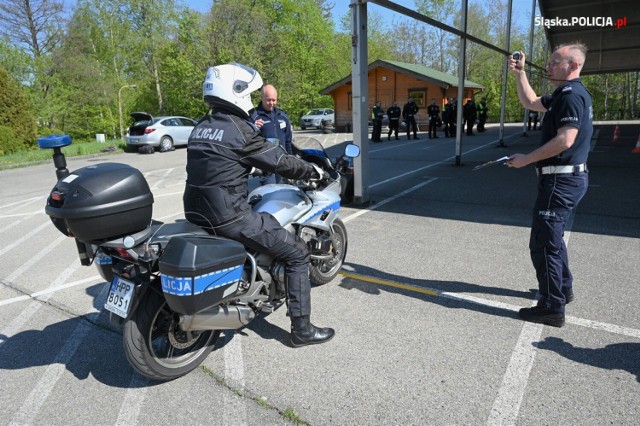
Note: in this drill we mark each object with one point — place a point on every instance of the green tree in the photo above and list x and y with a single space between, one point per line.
291 43
154 21
16 61
185 62
17 125
439 40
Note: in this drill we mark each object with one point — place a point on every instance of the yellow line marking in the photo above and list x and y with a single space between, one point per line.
390 283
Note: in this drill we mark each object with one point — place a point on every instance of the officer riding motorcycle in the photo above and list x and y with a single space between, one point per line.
222 150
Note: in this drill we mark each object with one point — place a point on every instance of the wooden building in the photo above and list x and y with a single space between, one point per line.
393 81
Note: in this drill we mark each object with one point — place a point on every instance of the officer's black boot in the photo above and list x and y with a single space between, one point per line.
304 333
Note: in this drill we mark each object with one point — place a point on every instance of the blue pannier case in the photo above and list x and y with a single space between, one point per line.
200 271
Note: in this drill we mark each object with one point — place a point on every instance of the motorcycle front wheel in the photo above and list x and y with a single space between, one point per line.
323 271
157 348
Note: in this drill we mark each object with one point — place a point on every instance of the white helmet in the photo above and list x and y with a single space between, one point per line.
229 86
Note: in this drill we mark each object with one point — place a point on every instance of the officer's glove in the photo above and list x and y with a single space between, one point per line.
320 174
256 172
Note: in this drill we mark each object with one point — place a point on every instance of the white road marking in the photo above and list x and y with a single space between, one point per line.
431 165
133 400
21 203
5 216
159 181
25 237
18 322
53 289
515 381
36 258
507 405
387 200
235 409
30 409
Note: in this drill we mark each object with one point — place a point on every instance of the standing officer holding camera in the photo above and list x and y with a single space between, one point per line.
561 165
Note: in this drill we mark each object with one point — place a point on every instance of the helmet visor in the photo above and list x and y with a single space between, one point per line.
240 85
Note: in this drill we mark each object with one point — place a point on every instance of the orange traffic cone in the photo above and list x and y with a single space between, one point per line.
636 150
616 134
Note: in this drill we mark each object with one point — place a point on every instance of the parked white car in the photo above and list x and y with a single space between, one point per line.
314 118
162 133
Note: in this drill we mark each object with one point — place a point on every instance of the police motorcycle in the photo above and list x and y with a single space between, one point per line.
173 287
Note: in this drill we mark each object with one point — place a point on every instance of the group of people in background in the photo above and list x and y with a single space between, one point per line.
408 113
274 123
472 113
445 119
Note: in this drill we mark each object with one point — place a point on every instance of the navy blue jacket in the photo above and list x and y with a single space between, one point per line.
276 125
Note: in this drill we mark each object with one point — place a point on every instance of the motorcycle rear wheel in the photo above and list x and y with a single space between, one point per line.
157 348
321 272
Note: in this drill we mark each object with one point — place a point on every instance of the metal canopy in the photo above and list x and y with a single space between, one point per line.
611 48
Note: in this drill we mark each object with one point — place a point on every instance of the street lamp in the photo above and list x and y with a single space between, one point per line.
128 86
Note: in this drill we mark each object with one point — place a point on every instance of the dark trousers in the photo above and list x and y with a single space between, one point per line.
481 121
394 124
377 130
470 123
449 130
535 123
558 195
262 232
412 125
433 127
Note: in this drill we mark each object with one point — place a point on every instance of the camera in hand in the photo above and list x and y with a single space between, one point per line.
515 56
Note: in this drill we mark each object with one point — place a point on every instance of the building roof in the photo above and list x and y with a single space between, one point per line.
612 31
418 71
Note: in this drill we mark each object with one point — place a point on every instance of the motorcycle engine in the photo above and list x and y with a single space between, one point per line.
318 244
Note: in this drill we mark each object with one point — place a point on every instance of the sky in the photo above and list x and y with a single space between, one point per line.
341 7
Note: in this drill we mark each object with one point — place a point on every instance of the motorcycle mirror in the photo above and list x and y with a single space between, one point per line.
352 150
274 141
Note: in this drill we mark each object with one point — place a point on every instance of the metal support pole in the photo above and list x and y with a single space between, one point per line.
530 56
462 50
359 96
505 72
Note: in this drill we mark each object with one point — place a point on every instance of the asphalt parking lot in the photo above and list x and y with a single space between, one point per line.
425 309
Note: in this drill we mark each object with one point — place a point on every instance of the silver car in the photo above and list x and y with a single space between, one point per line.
162 132
314 118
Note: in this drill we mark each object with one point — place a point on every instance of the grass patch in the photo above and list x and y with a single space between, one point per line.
77 148
291 415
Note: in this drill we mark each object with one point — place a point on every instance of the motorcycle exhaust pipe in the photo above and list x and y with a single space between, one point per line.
227 317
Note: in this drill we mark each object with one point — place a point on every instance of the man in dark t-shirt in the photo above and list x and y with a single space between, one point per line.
561 165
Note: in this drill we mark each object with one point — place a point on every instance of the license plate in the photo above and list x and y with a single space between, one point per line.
119 298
